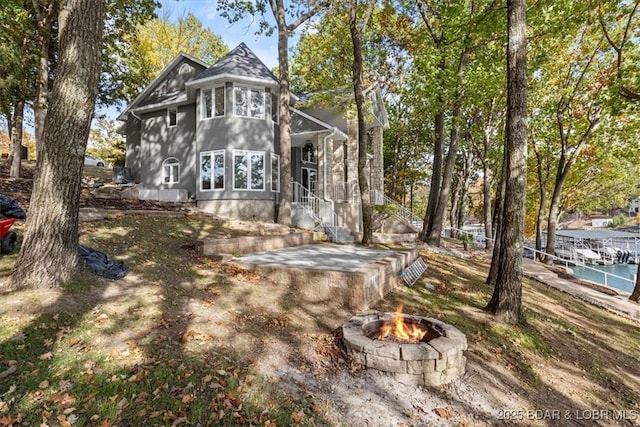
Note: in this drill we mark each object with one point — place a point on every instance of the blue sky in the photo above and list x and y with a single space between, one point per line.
266 48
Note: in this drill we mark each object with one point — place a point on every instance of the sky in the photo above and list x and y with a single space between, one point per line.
265 48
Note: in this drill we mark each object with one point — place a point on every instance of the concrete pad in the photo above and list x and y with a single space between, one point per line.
350 275
325 256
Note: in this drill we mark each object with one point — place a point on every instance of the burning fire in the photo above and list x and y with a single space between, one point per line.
398 329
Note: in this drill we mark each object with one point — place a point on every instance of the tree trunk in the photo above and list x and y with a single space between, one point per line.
492 277
433 238
45 18
506 301
16 139
394 169
542 200
635 295
554 209
363 178
436 176
486 183
49 254
284 205
486 205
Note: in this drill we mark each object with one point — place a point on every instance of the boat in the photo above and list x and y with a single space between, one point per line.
578 255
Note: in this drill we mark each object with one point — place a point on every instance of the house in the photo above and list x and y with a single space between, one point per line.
211 134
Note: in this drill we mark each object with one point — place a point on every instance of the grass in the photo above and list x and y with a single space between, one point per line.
183 339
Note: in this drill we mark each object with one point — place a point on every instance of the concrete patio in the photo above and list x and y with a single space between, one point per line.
357 276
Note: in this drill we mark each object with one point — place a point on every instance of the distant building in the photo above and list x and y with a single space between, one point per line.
601 222
634 206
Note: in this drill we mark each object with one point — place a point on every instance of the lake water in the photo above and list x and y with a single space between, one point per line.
623 270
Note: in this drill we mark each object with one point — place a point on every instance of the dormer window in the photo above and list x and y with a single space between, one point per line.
248 102
309 153
213 102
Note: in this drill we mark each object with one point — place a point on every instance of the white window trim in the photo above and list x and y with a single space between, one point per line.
203 105
164 163
249 153
169 110
277 158
248 89
213 155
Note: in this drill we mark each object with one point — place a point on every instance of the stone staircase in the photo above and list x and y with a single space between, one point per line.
400 212
310 206
338 234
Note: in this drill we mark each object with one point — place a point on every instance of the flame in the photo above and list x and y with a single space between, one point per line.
401 330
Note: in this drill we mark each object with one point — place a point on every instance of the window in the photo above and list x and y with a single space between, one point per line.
173 117
275 108
248 102
213 102
212 170
171 171
248 170
309 153
219 101
275 173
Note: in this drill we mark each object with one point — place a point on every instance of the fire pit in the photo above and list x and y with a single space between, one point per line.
420 350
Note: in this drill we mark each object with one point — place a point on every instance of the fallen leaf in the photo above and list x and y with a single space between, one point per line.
44 384
179 421
9 371
187 398
123 403
297 416
142 396
443 412
8 421
46 356
18 336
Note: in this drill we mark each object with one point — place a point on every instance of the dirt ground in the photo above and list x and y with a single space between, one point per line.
574 364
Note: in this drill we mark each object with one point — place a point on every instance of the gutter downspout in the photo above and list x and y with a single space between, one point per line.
334 132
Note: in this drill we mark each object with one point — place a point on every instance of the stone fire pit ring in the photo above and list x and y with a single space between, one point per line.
433 363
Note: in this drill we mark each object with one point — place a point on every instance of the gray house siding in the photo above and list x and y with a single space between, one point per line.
132 154
231 134
161 142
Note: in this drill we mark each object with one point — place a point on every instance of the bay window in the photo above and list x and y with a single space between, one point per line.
248 102
212 170
248 170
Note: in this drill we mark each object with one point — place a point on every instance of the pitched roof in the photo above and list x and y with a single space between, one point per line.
242 62
147 93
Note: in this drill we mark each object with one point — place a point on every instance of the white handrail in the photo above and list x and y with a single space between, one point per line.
401 212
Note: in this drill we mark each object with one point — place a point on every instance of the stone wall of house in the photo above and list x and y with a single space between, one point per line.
250 210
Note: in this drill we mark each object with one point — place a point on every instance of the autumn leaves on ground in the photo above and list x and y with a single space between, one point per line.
183 339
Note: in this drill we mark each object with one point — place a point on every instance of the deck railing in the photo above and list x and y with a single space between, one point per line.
479 240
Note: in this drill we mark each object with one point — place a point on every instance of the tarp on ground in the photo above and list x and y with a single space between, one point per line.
101 264
9 208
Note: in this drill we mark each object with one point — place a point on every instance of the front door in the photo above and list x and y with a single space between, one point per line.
309 179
